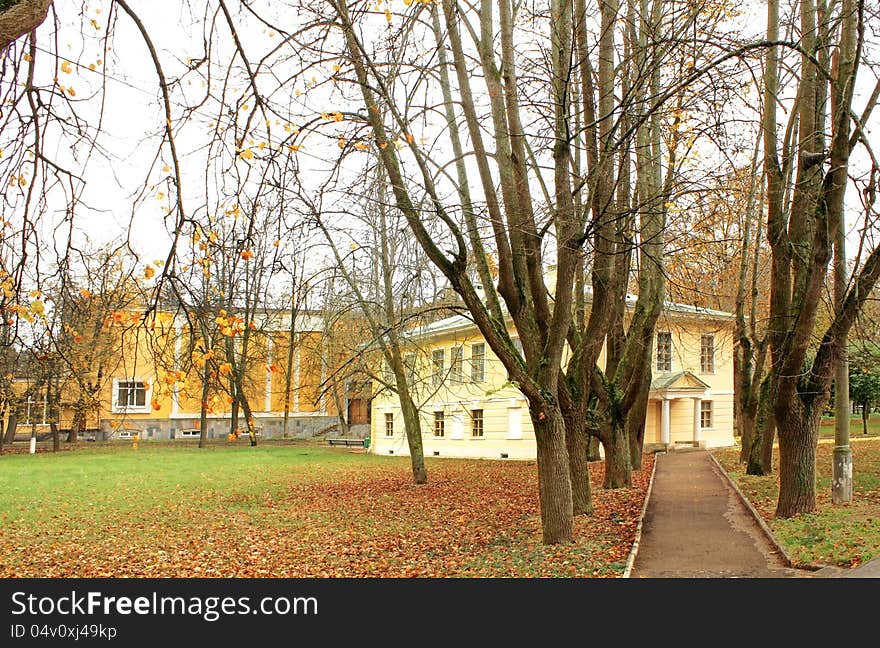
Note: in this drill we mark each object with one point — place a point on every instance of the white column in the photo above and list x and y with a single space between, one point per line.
664 421
697 402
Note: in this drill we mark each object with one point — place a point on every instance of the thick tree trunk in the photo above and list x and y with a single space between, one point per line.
554 478
19 17
9 437
413 428
618 470
577 442
865 412
593 453
760 452
635 423
798 436
76 425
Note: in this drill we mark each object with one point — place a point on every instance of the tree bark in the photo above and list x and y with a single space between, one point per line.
577 441
798 436
593 453
760 454
10 429
22 17
635 422
413 428
618 470
76 426
554 480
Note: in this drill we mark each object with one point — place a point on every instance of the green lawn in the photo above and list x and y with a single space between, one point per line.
856 429
290 510
832 535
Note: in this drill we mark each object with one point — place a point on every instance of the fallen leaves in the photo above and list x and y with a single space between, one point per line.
305 511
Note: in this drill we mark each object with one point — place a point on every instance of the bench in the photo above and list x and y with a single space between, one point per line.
346 442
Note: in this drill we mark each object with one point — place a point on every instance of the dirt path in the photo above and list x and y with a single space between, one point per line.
697 527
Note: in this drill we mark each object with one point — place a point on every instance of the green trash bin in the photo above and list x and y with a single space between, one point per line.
367 443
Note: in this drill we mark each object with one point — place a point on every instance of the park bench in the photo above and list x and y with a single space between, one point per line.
347 442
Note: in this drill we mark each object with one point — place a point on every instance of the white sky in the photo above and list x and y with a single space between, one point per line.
132 117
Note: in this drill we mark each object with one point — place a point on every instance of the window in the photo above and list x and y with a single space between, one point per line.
438 360
705 414
439 424
131 394
35 411
188 432
664 351
478 362
707 354
456 364
477 423
389 424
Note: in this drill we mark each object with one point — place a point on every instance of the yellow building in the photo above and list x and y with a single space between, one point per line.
149 381
470 409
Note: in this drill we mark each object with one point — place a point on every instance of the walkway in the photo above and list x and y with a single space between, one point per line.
696 526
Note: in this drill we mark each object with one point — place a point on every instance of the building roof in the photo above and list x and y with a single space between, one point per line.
462 322
677 380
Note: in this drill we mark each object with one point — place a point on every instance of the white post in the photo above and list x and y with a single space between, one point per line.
697 402
664 421
33 448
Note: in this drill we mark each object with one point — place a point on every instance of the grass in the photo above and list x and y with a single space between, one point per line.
826 426
291 510
845 536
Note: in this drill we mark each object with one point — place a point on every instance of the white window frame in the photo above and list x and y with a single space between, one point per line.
478 371
707 407
668 336
438 366
707 361
456 364
122 409
481 419
439 424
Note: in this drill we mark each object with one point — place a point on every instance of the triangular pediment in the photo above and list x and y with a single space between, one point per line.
678 380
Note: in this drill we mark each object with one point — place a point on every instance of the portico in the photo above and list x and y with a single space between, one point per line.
678 387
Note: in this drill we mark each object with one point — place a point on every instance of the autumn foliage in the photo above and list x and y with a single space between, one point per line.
332 513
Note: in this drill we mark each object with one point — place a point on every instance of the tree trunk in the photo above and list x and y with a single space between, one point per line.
865 418
760 454
10 430
577 442
248 415
635 423
20 17
203 410
593 453
413 427
798 436
554 479
76 425
747 435
52 398
618 470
